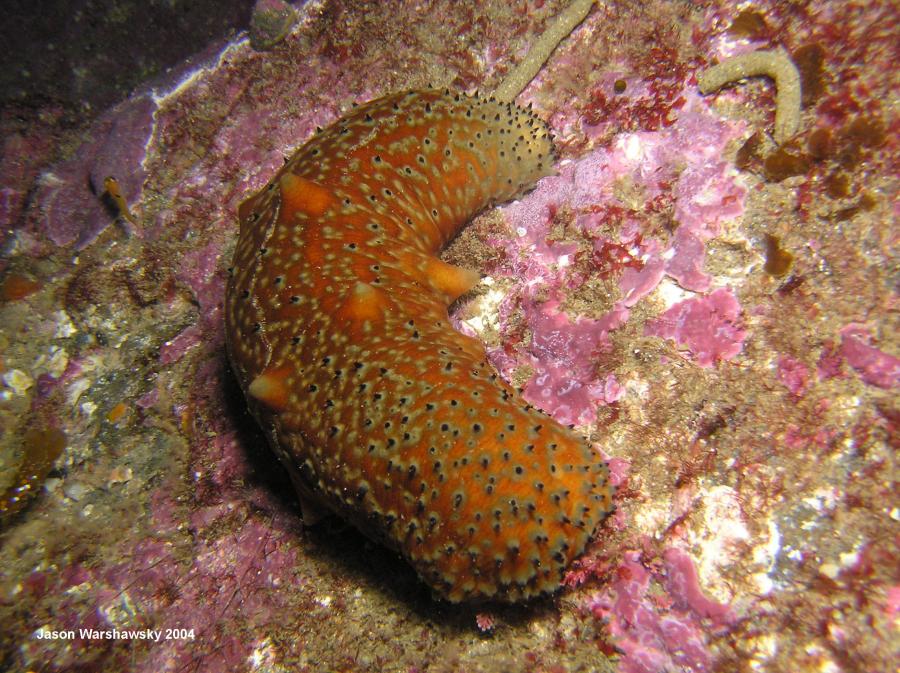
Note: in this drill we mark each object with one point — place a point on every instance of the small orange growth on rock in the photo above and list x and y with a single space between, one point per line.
41 448
837 185
865 204
748 152
778 260
187 420
750 24
116 412
820 144
865 132
810 61
16 286
782 164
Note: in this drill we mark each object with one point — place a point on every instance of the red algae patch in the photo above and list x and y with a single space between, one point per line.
876 367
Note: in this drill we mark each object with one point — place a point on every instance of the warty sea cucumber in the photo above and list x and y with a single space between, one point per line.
337 328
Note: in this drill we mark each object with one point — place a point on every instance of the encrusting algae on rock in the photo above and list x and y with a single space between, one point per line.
40 449
337 327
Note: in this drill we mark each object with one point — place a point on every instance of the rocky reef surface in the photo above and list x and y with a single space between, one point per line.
717 311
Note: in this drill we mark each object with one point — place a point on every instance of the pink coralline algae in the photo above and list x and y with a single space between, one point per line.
708 326
200 271
69 209
793 374
679 168
563 353
874 366
659 616
243 572
175 349
21 157
686 264
893 601
830 363
682 162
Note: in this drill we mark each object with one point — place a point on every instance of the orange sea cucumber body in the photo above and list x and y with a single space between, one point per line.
337 327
